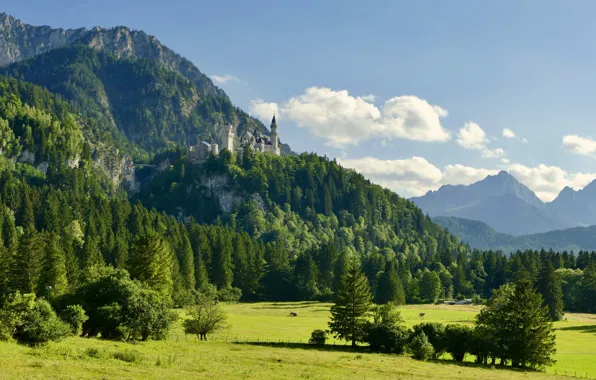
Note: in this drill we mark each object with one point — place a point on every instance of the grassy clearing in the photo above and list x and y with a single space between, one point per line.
183 357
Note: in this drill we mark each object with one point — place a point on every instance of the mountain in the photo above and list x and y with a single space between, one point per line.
135 90
500 200
579 206
482 236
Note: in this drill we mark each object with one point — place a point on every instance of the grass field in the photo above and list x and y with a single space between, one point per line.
283 355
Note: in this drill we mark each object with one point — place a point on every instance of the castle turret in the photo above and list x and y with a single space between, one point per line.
228 140
274 137
215 149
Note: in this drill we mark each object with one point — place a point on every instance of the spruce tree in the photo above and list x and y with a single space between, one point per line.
53 268
549 285
389 287
519 326
349 314
150 261
187 266
26 264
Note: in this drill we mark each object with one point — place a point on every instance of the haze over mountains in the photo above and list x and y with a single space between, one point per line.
492 212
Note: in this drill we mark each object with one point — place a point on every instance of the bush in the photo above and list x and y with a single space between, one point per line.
31 321
120 308
231 295
387 338
74 316
421 348
477 300
458 339
205 318
318 337
435 333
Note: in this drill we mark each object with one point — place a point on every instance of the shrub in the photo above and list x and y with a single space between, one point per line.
435 333
477 300
206 317
318 337
120 308
387 338
94 352
458 339
41 325
74 316
421 348
31 321
231 295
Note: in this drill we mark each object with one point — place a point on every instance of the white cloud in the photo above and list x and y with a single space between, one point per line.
408 177
415 176
225 78
263 110
579 145
471 136
464 175
509 134
343 119
548 181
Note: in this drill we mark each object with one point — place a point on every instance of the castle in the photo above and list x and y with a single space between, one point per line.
255 140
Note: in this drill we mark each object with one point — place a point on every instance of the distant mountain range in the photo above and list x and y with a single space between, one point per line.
482 236
508 209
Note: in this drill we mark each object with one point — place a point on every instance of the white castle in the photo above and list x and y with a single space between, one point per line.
255 140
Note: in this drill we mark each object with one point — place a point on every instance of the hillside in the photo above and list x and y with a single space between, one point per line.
500 201
137 91
482 236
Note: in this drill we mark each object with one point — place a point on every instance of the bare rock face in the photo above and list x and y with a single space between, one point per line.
218 185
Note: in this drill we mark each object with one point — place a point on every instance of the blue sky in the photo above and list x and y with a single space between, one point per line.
414 94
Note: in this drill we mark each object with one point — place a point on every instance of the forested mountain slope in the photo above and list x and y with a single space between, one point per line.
136 90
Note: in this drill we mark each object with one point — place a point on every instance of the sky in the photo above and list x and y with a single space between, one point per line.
413 94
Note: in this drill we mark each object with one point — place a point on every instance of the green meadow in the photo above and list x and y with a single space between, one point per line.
263 342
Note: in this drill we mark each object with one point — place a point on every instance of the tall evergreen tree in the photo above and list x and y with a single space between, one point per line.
549 285
519 326
150 261
53 278
389 288
26 264
352 307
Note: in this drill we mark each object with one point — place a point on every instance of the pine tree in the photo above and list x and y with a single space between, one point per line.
519 326
53 269
549 285
223 274
26 264
150 261
187 265
350 312
389 287
340 268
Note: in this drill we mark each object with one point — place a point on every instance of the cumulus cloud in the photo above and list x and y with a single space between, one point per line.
343 119
579 145
263 110
225 78
509 134
471 136
407 177
548 181
415 176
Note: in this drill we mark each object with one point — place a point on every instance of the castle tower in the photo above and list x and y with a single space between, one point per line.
215 149
274 137
228 140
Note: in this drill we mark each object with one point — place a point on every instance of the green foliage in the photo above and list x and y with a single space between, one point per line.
458 341
430 287
30 321
150 261
421 348
387 332
318 337
120 308
435 334
549 286
75 317
352 307
206 317
231 295
389 288
519 326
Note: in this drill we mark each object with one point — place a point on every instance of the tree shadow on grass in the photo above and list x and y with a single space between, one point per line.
306 346
590 329
483 366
